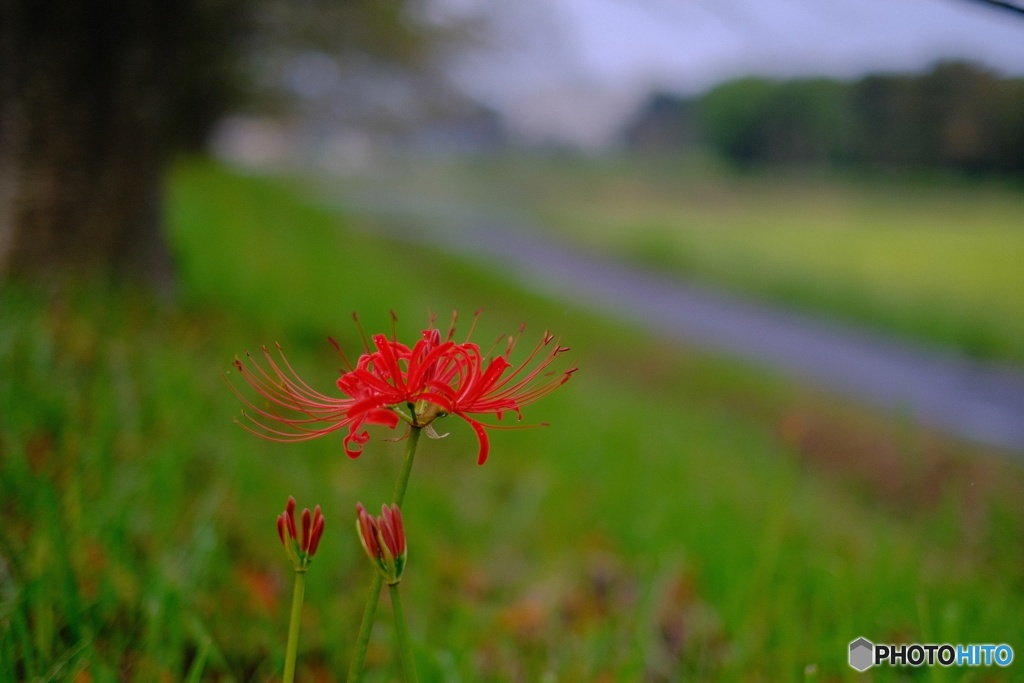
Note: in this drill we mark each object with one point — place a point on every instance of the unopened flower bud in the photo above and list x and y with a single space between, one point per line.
383 539
300 549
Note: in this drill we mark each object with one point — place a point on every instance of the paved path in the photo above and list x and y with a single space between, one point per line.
983 402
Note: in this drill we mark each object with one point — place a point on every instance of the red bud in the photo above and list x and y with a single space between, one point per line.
307 528
289 511
318 531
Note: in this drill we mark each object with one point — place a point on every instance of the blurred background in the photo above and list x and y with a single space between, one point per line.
785 241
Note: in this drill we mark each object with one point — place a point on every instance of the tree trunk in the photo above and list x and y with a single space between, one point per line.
86 91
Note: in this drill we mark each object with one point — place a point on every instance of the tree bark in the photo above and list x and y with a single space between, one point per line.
87 123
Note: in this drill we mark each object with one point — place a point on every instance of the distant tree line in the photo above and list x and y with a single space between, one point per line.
957 116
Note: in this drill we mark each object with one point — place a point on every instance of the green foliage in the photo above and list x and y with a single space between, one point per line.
955 117
664 527
753 120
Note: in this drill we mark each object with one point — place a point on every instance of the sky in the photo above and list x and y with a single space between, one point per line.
575 70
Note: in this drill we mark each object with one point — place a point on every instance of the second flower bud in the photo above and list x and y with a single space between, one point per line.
383 539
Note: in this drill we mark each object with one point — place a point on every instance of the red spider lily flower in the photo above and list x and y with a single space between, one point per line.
468 384
395 375
391 382
383 539
303 412
300 549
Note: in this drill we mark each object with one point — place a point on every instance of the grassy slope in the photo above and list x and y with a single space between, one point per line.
940 263
681 517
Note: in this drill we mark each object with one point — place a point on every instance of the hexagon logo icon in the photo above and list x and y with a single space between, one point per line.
861 654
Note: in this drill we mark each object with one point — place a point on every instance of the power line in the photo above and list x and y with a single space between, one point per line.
1008 5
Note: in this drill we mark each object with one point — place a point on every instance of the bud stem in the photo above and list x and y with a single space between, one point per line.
402 631
293 627
355 671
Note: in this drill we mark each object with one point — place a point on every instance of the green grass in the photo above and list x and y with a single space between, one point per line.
682 517
934 259
939 263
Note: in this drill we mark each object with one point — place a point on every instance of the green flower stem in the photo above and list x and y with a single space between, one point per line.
298 594
410 455
355 671
404 646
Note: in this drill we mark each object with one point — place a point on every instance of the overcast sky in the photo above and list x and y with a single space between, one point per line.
574 69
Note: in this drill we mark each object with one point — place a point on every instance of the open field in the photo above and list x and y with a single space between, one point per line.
938 259
681 518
